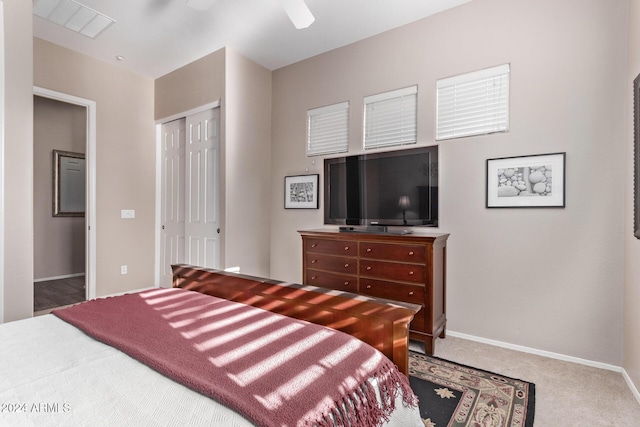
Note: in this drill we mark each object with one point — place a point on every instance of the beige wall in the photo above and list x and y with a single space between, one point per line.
247 165
17 167
194 85
549 279
632 245
59 242
125 160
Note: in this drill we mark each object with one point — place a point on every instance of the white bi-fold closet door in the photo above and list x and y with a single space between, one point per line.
190 216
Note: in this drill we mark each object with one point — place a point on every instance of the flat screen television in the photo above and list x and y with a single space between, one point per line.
397 188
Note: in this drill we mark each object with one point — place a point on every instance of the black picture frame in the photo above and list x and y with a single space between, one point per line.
301 191
636 157
510 181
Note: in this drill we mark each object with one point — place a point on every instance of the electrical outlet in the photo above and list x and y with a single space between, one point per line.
123 269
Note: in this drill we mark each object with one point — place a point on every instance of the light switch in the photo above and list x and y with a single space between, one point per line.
127 213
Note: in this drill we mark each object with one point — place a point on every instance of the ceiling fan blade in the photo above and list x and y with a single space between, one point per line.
298 13
200 4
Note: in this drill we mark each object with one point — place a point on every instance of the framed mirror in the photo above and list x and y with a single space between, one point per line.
68 183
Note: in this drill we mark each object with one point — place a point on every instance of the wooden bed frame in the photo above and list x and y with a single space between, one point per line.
383 324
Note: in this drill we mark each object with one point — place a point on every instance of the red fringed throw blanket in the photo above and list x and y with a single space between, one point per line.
275 370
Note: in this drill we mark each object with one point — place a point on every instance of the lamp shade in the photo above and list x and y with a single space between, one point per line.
404 202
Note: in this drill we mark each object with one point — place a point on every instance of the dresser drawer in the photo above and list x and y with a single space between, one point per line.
332 247
331 281
392 271
392 290
393 252
334 264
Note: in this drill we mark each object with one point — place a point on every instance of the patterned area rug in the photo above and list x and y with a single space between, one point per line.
453 395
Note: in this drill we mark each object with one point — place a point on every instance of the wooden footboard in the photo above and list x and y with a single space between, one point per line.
383 324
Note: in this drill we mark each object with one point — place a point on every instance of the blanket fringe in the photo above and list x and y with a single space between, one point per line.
361 407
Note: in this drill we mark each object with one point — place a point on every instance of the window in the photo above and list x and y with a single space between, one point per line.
328 129
473 104
390 118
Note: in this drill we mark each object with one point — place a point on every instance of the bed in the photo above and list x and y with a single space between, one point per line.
170 357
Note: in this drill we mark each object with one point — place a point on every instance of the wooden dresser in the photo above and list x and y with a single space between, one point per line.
409 268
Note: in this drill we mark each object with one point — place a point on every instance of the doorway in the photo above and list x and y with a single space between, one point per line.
64 244
189 192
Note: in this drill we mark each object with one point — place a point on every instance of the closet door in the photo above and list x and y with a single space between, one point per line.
202 211
172 248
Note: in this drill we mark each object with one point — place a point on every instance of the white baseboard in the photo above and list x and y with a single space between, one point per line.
132 291
66 276
552 355
535 351
631 385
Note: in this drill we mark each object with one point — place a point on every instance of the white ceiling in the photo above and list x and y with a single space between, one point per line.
156 37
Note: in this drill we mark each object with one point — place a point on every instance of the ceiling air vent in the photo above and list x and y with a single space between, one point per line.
73 16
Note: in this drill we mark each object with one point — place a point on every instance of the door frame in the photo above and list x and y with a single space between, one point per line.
90 155
159 123
2 161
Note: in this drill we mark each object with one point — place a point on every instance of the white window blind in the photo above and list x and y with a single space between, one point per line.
473 104
390 118
328 129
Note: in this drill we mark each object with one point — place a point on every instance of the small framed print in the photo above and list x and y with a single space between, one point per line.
301 192
536 181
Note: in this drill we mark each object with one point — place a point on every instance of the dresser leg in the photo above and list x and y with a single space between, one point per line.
430 345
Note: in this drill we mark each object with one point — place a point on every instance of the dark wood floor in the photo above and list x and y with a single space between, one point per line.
56 293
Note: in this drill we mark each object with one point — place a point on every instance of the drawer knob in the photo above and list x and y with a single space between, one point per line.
368 286
346 283
346 248
314 245
369 249
368 268
313 261
411 273
410 253
346 266
411 293
314 277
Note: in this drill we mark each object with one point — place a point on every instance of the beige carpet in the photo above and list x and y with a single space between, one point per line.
567 394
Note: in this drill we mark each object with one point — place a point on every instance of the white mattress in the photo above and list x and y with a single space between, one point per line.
53 374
